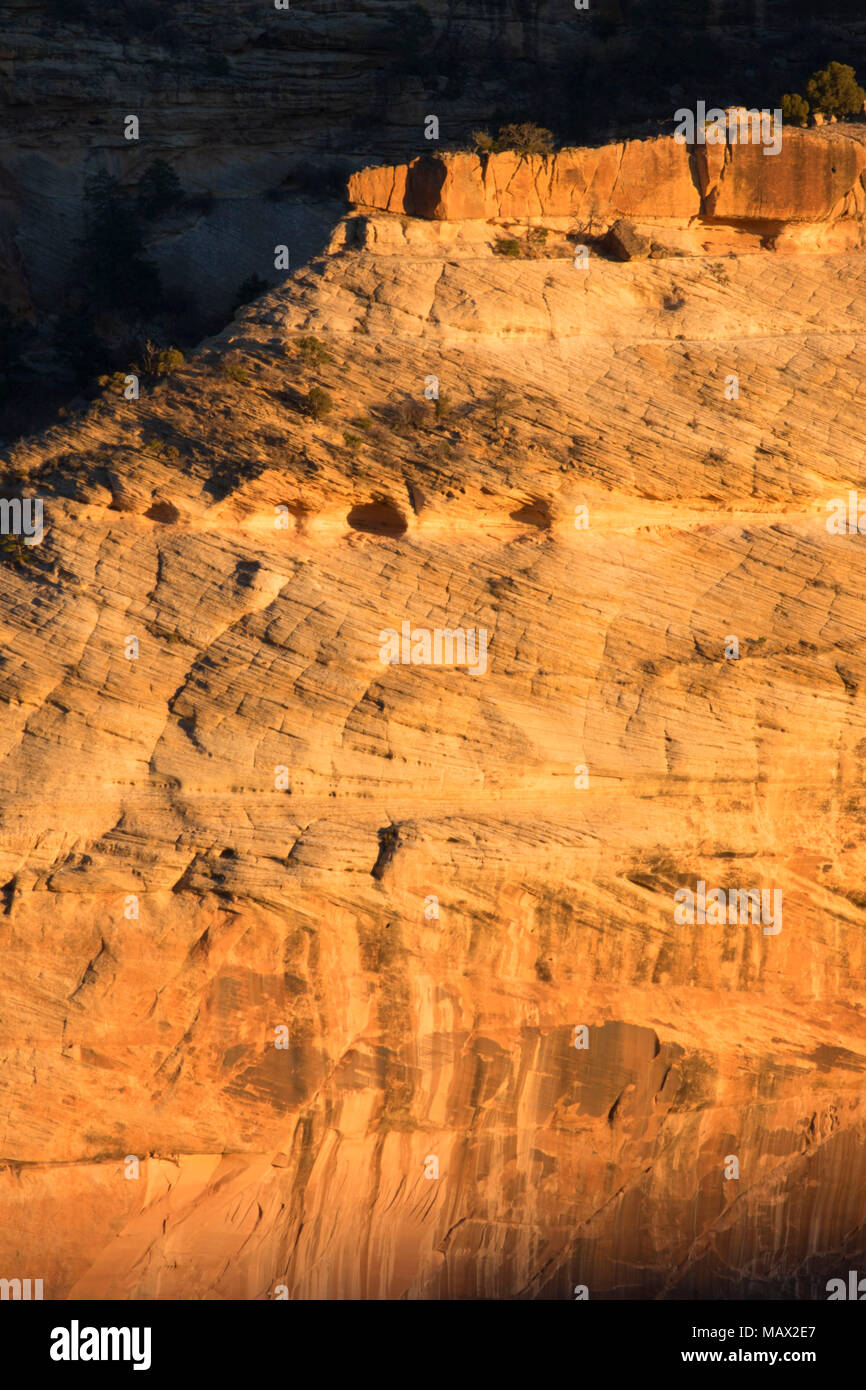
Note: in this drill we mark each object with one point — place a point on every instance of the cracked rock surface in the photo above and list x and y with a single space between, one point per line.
254 831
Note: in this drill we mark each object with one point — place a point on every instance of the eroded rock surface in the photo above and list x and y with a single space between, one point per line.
817 177
400 864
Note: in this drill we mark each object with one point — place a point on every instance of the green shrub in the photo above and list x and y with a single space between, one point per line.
834 90
483 142
113 381
443 406
500 403
319 403
409 415
115 275
313 353
506 246
795 109
250 289
16 551
168 360
158 361
523 138
159 190
233 371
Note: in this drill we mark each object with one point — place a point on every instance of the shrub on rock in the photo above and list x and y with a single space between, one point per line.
835 91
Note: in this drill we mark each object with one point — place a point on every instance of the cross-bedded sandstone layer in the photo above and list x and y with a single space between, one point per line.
284 808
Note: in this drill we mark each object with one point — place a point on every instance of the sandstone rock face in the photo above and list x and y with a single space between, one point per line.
810 180
817 176
236 96
425 882
649 177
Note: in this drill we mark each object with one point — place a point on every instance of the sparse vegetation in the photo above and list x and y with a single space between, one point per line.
835 91
113 381
250 289
408 414
157 361
795 109
530 248
16 552
312 352
159 190
499 404
319 403
716 457
114 270
523 138
232 370
157 446
832 91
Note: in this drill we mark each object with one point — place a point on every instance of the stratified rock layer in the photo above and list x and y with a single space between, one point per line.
401 865
816 176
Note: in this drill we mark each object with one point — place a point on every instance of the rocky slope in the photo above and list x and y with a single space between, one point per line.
402 866
235 96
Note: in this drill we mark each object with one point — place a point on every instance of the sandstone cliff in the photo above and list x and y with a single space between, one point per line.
238 96
401 865
817 177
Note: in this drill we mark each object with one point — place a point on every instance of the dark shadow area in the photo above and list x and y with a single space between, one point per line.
378 518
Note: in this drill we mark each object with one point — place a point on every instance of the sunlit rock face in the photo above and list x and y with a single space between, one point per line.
793 177
258 107
331 974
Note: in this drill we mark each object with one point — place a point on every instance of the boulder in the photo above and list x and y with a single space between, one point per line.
625 243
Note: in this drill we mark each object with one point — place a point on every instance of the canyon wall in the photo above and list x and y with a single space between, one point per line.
297 944
816 176
261 111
